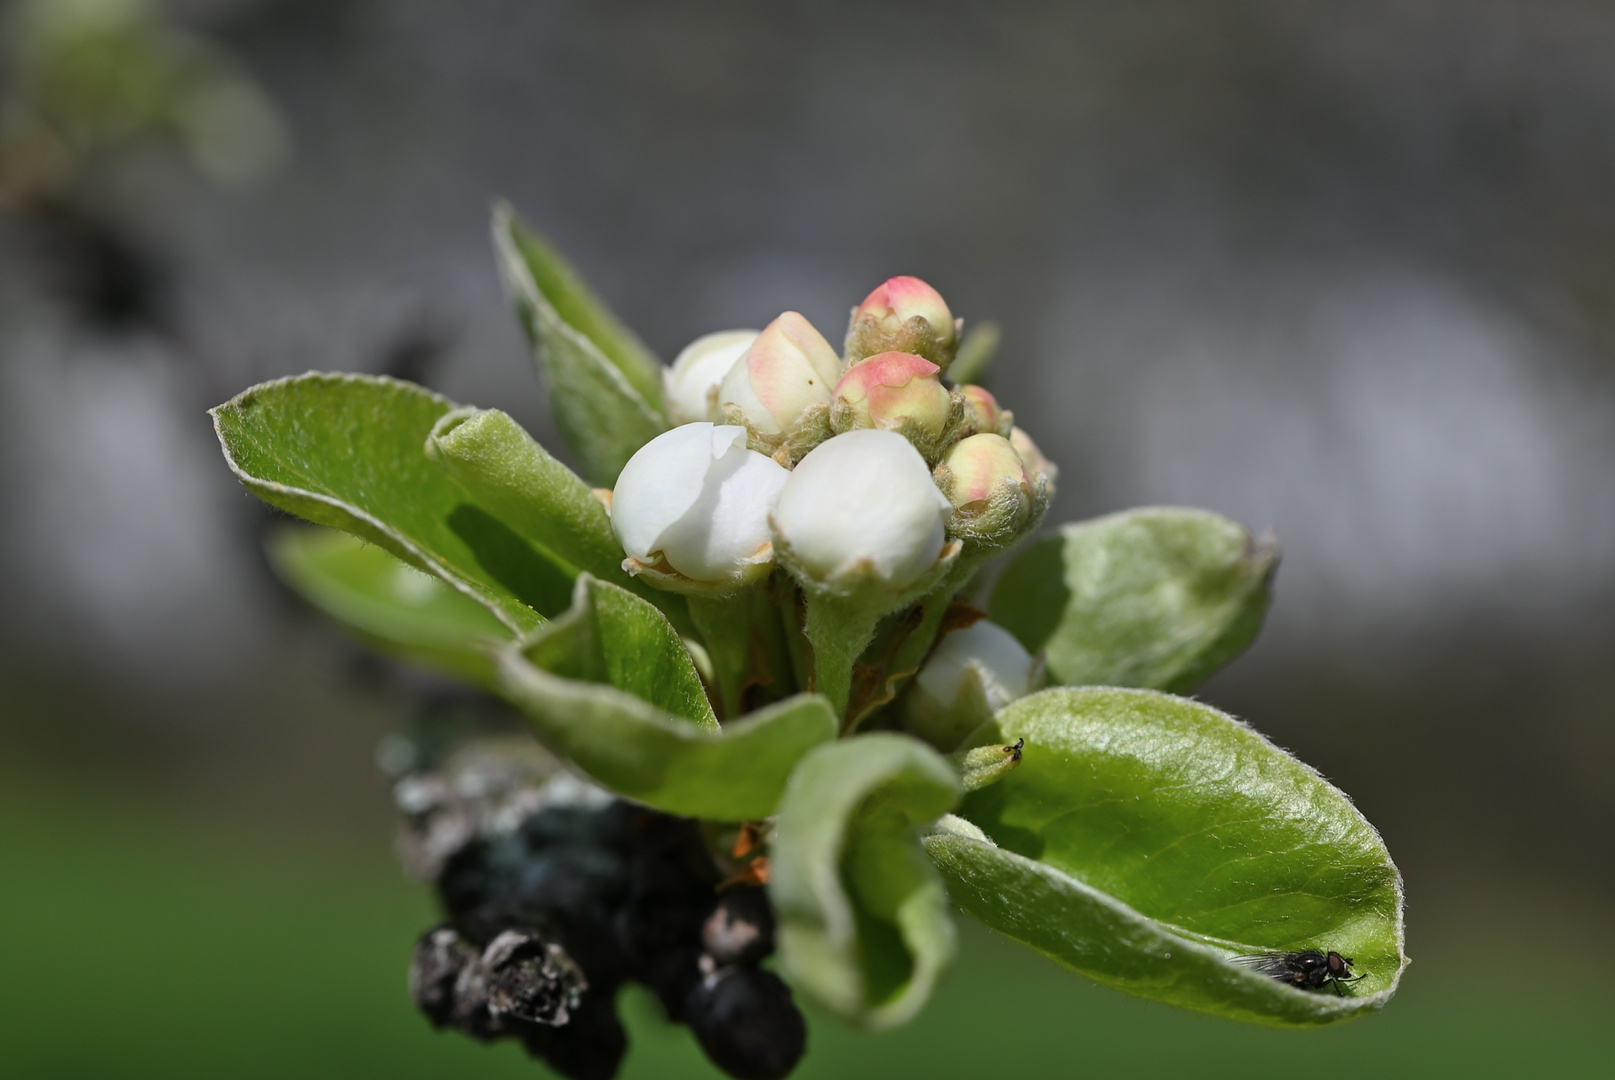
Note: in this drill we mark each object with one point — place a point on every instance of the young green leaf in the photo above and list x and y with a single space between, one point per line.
388 603
610 687
502 469
348 451
975 356
1145 839
863 920
604 385
1156 597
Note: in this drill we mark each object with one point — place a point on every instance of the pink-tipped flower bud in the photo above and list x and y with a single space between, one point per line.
861 509
993 497
780 389
691 384
894 391
903 314
983 413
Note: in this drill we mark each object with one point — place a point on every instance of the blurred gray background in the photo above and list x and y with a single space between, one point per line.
1347 271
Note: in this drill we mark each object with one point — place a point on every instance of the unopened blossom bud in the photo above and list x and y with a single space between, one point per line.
695 500
861 505
983 413
969 676
691 384
987 484
906 315
1033 458
897 392
780 388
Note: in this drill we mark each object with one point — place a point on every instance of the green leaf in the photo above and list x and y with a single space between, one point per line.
610 687
348 451
1139 825
975 356
863 920
388 603
604 385
1155 597
502 469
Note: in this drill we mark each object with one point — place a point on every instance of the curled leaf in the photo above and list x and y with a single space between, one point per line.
1157 597
1146 839
864 927
348 451
610 687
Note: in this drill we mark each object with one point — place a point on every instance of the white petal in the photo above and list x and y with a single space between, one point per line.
727 528
692 382
993 653
865 497
663 480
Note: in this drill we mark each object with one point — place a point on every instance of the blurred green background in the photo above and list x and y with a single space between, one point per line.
1347 271
147 943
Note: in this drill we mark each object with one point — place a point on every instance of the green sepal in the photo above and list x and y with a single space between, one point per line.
1156 597
604 385
348 451
389 604
611 688
1139 824
504 470
863 922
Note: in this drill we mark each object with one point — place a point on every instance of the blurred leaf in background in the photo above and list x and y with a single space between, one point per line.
91 75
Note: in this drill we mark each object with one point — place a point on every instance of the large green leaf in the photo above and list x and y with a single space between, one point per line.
1144 839
510 475
604 385
348 451
863 919
611 688
389 603
1156 597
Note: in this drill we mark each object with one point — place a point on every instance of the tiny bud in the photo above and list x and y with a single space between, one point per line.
861 505
983 414
986 765
971 674
691 385
780 389
906 315
1033 457
697 500
992 496
894 391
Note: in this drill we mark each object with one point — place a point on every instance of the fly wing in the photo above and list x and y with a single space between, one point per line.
1275 965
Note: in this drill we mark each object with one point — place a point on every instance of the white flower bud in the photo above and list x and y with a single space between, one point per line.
691 384
862 504
970 675
698 500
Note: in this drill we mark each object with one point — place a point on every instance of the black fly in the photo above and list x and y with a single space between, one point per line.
1305 970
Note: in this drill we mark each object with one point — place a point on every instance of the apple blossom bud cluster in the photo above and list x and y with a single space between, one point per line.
855 470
